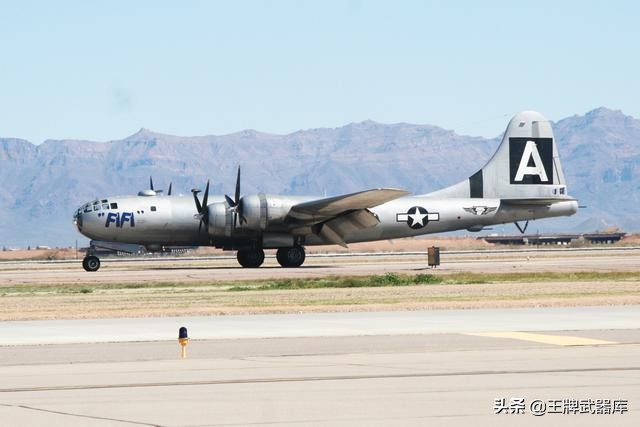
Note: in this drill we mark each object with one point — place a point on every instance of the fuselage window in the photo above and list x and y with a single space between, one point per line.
153 208
114 206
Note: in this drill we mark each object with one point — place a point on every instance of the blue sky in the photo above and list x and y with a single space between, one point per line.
102 70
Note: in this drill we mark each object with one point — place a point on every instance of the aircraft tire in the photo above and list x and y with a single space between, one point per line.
91 263
250 258
291 257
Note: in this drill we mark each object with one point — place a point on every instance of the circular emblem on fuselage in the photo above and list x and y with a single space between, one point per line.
417 217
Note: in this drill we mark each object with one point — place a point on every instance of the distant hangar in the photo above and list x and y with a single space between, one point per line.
554 239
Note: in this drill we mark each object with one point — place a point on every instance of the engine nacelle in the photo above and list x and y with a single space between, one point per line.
262 210
259 210
220 220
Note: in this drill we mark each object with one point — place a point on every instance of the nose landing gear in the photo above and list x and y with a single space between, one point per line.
91 263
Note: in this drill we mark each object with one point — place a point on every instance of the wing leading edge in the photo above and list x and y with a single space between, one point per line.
334 217
322 209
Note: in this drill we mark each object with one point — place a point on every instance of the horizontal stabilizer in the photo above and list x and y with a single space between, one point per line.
536 201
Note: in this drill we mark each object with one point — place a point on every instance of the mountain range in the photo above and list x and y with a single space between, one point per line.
42 185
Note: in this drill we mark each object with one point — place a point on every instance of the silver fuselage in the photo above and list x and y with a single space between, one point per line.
156 221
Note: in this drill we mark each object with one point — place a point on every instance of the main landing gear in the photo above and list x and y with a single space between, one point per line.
291 257
287 257
250 258
91 263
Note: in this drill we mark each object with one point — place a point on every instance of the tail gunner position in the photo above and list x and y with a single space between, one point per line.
522 181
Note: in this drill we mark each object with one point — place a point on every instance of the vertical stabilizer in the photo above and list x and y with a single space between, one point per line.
525 166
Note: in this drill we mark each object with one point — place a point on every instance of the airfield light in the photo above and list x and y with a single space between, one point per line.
183 339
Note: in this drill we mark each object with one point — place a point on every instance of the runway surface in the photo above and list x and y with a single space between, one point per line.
400 368
226 268
319 324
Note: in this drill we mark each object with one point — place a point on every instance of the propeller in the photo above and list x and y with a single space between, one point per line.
158 191
235 204
202 208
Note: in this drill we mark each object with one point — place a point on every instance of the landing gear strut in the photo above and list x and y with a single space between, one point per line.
91 263
250 258
291 257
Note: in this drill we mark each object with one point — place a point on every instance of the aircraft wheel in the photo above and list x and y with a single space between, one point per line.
250 258
291 257
91 263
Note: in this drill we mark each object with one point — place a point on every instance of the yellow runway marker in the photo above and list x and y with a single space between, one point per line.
542 338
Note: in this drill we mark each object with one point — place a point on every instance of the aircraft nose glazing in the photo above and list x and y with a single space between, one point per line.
77 219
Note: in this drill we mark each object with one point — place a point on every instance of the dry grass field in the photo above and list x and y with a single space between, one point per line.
217 286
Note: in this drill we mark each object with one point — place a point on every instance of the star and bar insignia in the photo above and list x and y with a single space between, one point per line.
417 217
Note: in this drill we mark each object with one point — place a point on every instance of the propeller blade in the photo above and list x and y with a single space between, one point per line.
206 196
237 199
170 184
240 211
230 201
203 209
151 183
195 198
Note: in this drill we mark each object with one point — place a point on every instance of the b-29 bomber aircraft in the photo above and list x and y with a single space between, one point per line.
522 181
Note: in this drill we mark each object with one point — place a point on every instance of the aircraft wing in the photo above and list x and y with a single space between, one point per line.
322 209
334 217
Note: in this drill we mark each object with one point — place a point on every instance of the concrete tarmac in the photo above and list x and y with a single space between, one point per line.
415 368
319 324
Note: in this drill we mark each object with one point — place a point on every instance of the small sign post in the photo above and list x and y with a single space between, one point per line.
433 256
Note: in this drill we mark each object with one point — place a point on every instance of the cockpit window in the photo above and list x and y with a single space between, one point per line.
96 207
114 206
105 201
87 207
105 206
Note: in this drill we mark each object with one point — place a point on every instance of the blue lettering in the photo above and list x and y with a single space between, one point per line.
120 218
112 217
126 217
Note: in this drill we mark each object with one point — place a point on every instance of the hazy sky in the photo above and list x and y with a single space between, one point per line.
102 70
